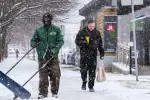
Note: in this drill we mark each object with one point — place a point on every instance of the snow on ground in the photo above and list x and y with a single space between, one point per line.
116 87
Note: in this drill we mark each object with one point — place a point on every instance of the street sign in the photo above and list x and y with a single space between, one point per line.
128 2
130 44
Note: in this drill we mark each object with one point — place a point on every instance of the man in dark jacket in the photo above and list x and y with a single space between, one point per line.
89 40
50 40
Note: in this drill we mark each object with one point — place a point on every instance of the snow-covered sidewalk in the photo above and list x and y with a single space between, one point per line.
117 86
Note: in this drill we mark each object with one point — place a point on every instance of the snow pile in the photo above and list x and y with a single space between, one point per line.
49 99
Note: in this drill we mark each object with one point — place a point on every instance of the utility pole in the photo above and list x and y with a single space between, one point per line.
28 47
62 27
134 39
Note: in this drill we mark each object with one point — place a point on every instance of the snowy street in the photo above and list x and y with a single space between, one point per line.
116 87
112 35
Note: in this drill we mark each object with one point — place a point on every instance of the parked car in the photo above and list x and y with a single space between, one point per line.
69 56
75 59
11 51
64 59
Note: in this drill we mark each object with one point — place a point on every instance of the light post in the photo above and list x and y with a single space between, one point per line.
134 39
34 54
28 47
62 27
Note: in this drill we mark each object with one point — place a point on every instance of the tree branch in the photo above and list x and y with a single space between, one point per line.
20 12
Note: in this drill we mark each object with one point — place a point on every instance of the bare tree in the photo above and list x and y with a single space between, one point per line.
27 11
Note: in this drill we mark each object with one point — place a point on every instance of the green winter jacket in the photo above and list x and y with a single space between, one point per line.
51 39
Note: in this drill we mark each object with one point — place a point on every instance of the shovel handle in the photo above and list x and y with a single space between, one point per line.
19 61
22 58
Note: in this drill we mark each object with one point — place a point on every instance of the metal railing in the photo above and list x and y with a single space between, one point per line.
123 54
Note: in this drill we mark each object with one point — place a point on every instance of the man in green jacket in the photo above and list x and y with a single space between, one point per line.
49 40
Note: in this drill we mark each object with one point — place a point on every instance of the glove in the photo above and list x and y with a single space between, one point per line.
85 42
42 61
53 51
36 44
101 57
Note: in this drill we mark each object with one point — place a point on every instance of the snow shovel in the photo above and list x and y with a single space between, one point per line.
16 96
12 85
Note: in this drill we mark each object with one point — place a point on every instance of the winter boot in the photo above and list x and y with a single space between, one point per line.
91 89
55 95
83 86
41 97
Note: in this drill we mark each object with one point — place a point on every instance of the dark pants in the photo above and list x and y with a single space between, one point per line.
52 71
17 55
88 66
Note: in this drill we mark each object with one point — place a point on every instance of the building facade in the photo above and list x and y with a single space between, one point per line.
99 10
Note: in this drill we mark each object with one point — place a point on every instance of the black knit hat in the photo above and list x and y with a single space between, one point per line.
48 15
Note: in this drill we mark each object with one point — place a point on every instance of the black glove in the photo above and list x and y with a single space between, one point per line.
36 44
42 61
53 51
85 42
101 56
